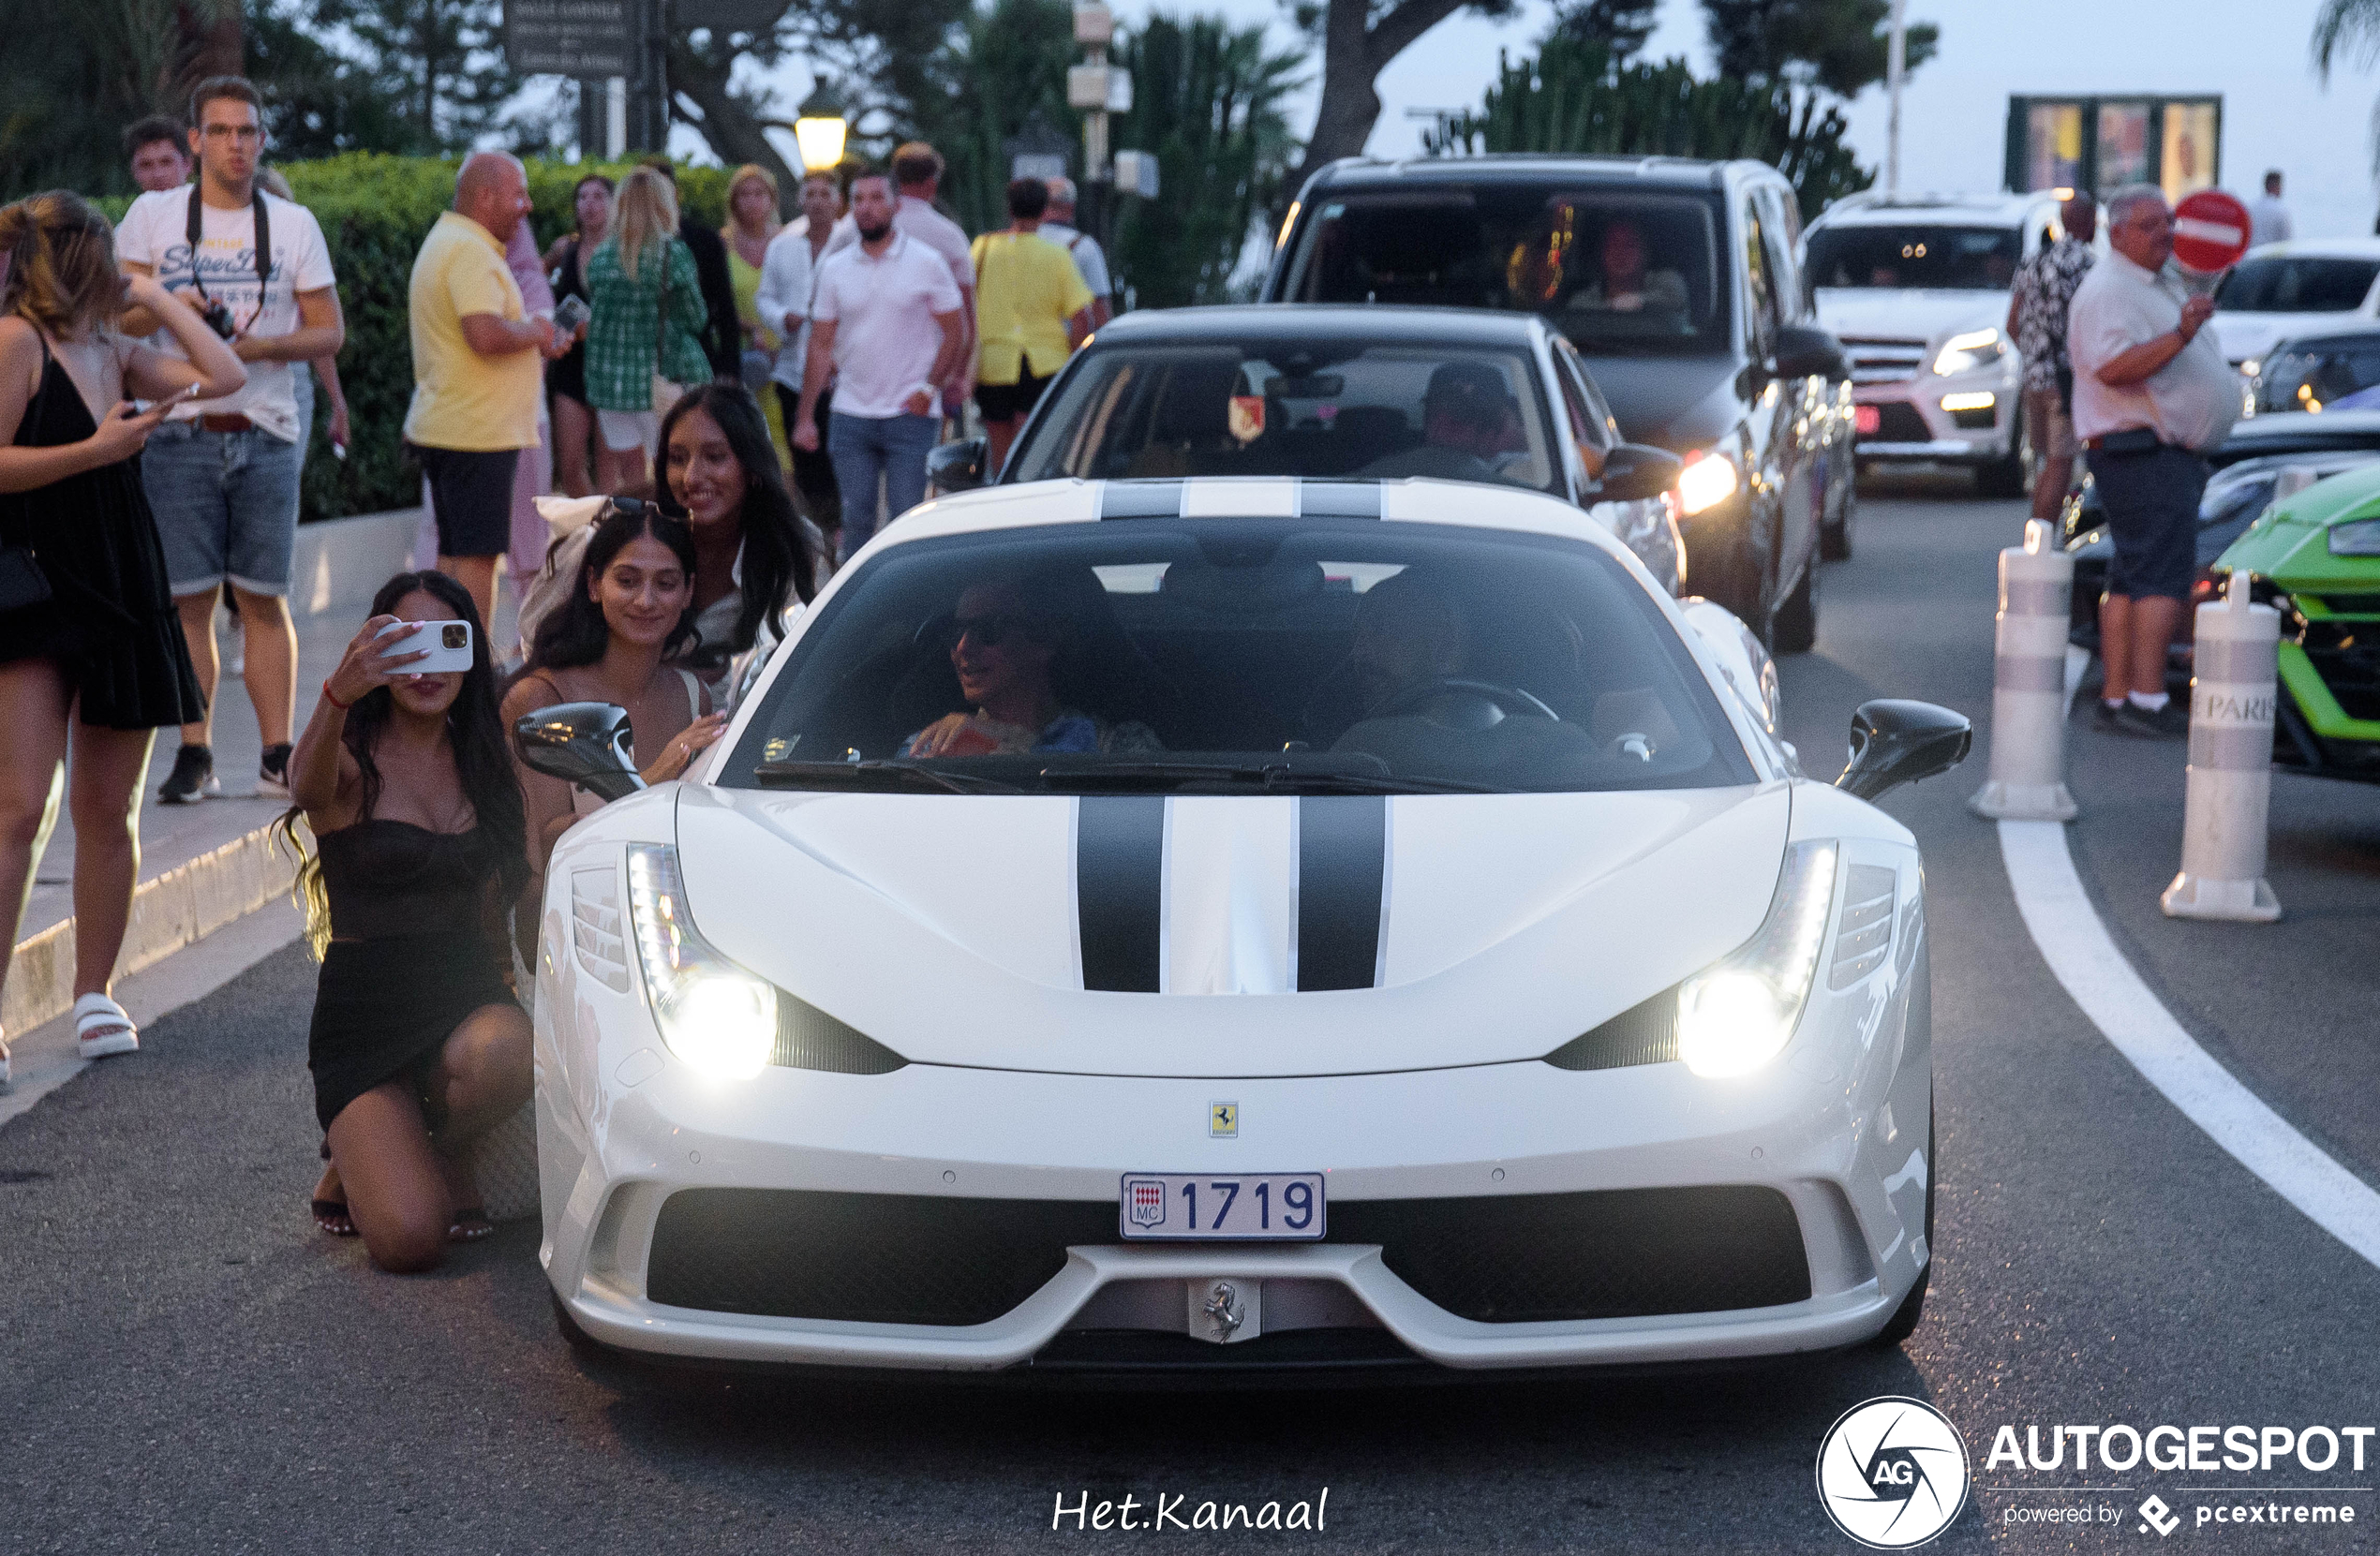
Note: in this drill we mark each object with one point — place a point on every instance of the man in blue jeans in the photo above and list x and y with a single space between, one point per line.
885 319
222 475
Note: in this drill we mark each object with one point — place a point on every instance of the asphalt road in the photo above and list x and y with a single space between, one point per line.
186 1366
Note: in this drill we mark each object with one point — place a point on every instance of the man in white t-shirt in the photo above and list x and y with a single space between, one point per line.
916 171
1058 226
2267 216
222 475
888 319
786 271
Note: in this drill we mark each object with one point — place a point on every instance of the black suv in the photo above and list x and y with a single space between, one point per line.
1677 281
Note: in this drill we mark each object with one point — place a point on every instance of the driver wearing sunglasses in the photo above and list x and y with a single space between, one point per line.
1010 659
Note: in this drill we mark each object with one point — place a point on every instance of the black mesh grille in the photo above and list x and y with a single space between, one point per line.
1504 1259
1644 1033
2347 655
869 1258
1613 1254
810 1039
1898 421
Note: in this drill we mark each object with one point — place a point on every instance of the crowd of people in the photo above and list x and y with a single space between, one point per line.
751 402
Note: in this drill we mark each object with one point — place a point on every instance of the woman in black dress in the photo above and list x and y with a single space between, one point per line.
566 375
91 652
418 1047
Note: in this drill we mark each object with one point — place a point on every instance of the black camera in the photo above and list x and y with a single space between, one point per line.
217 314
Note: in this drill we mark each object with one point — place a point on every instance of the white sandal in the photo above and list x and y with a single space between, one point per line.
102 1027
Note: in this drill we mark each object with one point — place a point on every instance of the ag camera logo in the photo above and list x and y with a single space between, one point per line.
1892 1472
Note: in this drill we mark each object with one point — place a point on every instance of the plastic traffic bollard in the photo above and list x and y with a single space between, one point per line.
2230 779
2027 779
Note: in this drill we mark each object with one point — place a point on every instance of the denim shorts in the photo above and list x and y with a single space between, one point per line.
225 505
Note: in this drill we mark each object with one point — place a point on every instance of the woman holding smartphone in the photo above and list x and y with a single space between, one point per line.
92 659
611 641
418 1048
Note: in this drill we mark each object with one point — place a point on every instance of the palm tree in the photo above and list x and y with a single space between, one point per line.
2350 30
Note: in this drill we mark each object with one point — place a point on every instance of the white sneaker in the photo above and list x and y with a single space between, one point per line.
4 1062
102 1028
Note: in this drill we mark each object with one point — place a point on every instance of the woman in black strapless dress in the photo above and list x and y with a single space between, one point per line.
91 652
418 1047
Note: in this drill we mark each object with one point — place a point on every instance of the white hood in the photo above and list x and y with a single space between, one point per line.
952 928
2254 335
1885 313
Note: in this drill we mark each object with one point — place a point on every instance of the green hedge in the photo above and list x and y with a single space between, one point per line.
374 209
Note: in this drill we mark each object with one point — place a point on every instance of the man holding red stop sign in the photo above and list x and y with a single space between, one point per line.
2151 394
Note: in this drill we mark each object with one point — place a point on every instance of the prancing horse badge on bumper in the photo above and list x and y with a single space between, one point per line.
1222 1121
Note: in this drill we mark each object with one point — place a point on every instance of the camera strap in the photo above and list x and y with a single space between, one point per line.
263 246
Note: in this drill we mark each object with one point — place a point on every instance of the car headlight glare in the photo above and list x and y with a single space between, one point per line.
719 1018
1706 481
1736 1015
1967 353
2359 539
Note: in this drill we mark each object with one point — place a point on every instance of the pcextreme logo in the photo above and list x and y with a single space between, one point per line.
1892 1472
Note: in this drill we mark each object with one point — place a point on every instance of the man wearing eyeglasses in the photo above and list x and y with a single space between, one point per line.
222 475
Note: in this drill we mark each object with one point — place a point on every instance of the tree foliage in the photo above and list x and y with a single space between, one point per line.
1578 98
998 69
1208 100
2348 32
74 72
1620 25
1840 45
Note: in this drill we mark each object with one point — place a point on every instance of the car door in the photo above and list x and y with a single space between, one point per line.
1648 528
1815 430
1780 476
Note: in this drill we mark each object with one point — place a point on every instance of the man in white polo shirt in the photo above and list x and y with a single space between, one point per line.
886 317
916 172
2151 394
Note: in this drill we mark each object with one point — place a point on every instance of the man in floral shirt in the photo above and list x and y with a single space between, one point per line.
2044 291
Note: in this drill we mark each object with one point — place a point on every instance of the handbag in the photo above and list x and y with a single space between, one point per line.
666 390
22 584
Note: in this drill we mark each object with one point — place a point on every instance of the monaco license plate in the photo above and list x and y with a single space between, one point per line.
1221 1207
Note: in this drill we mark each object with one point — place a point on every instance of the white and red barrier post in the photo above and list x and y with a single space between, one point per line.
2230 779
2027 779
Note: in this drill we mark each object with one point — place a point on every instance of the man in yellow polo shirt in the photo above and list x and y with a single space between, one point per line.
477 371
1032 310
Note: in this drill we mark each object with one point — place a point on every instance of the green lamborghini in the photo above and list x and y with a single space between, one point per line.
2316 558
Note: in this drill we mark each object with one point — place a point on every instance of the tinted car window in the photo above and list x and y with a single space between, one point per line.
1355 655
1948 258
1320 408
1613 269
2297 286
2343 376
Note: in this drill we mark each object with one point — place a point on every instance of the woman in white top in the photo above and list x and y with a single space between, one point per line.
610 642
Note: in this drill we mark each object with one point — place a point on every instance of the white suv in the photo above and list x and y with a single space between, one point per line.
1916 288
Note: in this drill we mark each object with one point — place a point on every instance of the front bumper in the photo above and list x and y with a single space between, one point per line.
1911 424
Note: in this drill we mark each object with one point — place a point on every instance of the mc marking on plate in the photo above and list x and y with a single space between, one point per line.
1222 1121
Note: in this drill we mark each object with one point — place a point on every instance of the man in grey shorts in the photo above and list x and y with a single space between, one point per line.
222 475
2151 394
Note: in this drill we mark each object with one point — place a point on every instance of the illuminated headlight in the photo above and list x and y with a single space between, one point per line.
2359 539
713 1015
1706 481
1738 1014
1967 353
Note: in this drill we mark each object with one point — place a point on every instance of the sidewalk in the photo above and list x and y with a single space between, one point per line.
204 865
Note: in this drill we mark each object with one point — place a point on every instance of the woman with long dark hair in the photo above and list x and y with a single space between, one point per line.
566 375
421 844
631 608
756 557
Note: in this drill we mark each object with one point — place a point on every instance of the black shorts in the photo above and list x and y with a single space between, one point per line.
2151 501
471 497
1001 400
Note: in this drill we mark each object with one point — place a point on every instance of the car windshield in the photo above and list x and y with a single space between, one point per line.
2342 375
1946 259
1616 270
1324 408
1239 656
2296 285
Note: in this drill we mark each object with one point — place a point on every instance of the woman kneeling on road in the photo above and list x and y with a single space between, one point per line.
611 641
418 1047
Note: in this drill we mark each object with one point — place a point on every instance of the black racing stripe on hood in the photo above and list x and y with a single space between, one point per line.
1343 862
1119 858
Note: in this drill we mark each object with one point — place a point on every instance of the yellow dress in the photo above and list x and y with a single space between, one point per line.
743 279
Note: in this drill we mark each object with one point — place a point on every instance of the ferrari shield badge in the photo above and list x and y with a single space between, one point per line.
1247 417
1222 1121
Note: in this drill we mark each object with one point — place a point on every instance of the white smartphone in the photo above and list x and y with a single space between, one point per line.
449 644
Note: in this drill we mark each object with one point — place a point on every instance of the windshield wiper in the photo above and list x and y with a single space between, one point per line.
1269 778
880 773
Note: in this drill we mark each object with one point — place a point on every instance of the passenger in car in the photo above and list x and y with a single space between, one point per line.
1468 418
1626 285
1012 648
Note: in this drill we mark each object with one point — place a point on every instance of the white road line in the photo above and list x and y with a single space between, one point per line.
2077 946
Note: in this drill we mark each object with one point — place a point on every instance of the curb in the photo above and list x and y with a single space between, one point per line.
169 912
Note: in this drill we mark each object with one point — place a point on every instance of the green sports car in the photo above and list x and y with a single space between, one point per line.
2316 557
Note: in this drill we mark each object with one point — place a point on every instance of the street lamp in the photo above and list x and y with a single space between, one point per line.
821 141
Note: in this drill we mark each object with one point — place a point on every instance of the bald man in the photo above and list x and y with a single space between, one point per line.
478 371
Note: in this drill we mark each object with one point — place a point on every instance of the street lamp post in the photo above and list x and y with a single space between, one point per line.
1091 88
1895 66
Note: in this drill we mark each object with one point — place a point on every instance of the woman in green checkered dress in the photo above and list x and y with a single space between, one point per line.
634 272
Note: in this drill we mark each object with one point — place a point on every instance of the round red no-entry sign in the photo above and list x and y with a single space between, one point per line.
2211 231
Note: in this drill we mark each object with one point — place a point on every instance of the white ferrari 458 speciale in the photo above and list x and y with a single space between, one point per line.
1239 925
